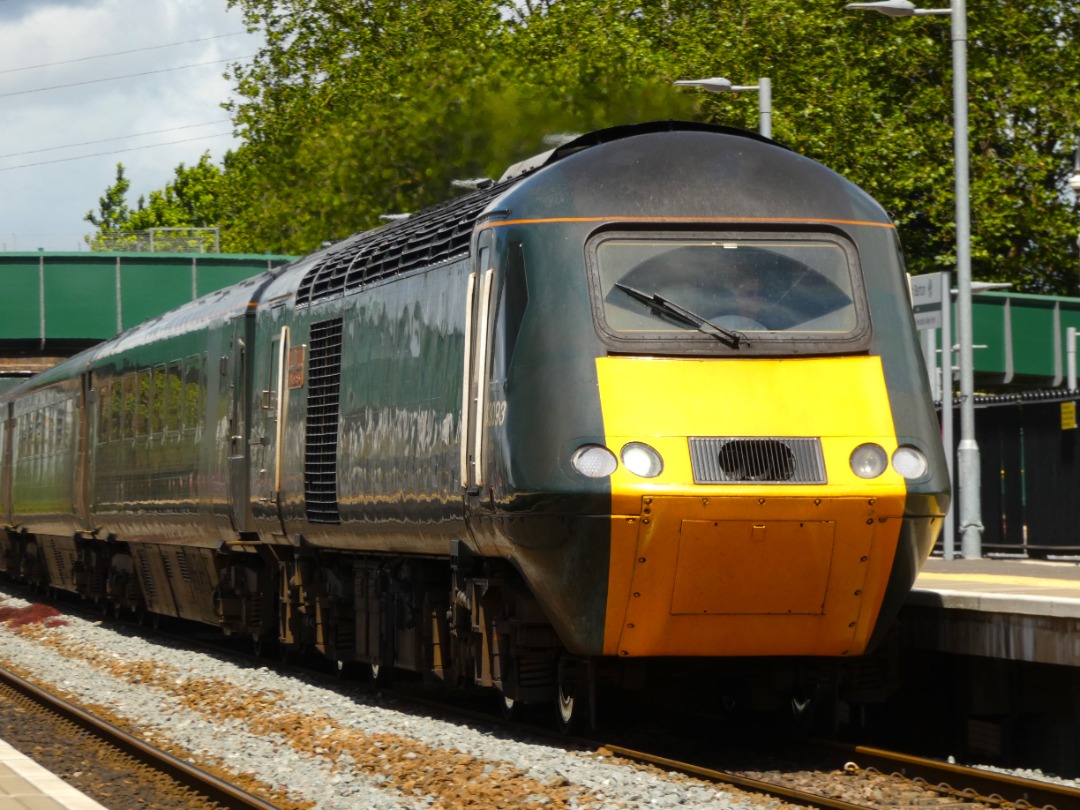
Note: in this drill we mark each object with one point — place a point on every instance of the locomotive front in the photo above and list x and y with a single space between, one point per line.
707 426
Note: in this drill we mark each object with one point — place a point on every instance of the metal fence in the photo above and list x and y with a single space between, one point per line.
160 240
1030 484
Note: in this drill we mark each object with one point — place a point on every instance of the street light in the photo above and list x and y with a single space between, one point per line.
968 463
897 8
1074 182
720 85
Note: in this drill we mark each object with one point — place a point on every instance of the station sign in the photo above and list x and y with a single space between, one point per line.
927 298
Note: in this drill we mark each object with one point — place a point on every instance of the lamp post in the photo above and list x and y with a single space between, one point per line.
1074 182
721 85
968 462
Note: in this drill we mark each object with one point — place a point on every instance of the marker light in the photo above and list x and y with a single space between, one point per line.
640 459
594 461
909 462
868 460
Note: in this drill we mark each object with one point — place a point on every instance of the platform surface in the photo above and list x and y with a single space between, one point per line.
1022 610
25 785
1000 586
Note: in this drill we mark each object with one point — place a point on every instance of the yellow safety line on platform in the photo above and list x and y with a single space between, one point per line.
997 579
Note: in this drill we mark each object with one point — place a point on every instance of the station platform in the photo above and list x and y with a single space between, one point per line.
25 785
1018 610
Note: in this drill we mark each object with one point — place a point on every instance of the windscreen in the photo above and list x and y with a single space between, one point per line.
759 288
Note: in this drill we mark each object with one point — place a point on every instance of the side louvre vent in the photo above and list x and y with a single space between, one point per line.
320 449
146 575
760 460
435 235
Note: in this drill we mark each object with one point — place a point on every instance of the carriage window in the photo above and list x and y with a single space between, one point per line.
104 403
131 403
116 411
173 396
193 392
157 400
754 288
142 407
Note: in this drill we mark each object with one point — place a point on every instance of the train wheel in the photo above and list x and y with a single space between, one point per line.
572 707
380 675
509 708
345 670
812 710
258 645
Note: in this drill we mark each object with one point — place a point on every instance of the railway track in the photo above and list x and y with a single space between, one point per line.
191 786
900 780
987 787
900 775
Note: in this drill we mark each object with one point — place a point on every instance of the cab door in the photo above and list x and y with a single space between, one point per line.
476 372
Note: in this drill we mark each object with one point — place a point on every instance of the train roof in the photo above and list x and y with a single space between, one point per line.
705 172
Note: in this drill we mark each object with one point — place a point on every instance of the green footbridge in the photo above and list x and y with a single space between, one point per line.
53 305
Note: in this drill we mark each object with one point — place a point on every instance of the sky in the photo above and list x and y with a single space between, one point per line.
175 114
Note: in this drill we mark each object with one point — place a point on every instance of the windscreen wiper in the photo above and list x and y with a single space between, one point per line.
659 305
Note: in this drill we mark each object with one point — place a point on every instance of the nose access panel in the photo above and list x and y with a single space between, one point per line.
750 576
733 566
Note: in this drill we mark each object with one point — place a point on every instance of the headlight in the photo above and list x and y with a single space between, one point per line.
909 462
594 461
640 459
868 460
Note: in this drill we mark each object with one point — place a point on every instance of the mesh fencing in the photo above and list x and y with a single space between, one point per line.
159 240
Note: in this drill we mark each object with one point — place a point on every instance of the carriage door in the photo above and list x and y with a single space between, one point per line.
269 429
238 423
476 368
85 439
7 436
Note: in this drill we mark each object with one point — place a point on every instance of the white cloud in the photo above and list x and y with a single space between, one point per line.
43 205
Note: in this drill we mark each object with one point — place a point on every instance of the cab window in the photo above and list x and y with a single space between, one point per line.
737 289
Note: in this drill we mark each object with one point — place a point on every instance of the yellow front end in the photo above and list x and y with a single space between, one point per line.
747 569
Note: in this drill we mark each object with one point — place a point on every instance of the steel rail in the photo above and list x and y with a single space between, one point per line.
973 784
205 784
799 797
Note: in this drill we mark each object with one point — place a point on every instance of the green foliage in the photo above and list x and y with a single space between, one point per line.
112 208
191 200
352 110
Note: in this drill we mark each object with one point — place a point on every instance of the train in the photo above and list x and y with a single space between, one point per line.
652 401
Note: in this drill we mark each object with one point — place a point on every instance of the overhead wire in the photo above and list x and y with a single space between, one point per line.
115 138
119 53
114 152
88 58
117 78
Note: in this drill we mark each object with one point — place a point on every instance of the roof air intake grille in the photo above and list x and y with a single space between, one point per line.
427 238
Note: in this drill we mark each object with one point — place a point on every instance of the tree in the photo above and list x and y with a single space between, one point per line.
112 208
190 200
356 109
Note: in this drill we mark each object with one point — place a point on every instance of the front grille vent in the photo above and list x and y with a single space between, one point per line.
764 460
320 449
427 238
